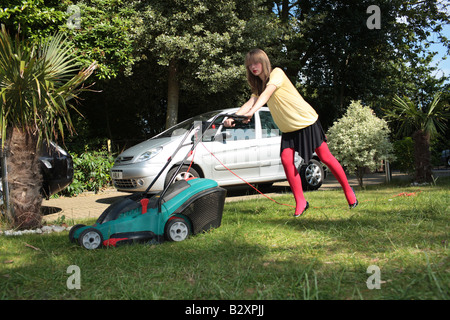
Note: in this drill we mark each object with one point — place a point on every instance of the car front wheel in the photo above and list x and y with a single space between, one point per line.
183 174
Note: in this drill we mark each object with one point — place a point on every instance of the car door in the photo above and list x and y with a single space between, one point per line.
238 150
269 153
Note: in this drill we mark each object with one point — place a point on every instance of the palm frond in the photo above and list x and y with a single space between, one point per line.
405 114
437 116
36 82
411 118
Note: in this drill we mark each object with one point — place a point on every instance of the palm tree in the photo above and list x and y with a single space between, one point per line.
423 123
36 83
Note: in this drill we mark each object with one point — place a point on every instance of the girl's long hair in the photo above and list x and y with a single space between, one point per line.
255 82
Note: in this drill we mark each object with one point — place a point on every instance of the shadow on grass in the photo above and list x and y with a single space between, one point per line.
259 252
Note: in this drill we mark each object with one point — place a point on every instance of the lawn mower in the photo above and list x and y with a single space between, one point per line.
180 209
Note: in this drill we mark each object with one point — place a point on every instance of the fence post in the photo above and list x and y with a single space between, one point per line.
387 170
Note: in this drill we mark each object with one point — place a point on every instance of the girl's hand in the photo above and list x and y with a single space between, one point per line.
249 117
229 123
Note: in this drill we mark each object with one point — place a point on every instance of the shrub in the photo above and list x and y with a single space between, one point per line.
91 172
404 153
360 140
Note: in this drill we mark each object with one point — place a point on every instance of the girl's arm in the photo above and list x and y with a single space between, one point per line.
249 108
244 109
261 101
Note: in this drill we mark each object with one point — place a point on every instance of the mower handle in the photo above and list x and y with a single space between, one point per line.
236 117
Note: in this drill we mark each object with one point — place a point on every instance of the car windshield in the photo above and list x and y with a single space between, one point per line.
181 128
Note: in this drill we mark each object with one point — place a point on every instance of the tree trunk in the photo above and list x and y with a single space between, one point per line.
24 178
285 11
422 156
360 174
172 95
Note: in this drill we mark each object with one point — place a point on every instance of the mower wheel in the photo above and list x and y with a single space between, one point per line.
90 239
177 229
72 231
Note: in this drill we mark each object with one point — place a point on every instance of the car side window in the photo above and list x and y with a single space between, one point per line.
241 131
268 126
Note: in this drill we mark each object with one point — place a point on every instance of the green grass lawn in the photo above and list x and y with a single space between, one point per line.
259 252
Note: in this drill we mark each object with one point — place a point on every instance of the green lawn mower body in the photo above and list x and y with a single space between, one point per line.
182 208
187 207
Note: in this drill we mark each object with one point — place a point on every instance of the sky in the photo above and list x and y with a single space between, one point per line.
443 65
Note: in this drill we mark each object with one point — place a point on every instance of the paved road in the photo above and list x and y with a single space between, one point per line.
91 205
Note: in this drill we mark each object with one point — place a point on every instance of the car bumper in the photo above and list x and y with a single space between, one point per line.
133 178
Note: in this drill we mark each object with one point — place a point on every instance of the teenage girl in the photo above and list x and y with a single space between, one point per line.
297 120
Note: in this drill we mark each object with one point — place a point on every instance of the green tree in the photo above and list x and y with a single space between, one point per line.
106 34
201 43
333 57
37 19
404 154
423 122
36 83
360 140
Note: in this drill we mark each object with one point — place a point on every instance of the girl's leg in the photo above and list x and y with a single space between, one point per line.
287 159
326 157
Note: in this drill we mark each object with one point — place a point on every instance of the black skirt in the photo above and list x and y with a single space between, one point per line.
305 140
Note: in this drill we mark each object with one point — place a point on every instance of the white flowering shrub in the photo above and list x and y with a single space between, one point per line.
360 140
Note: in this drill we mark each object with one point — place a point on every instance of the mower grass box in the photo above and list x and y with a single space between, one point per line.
187 207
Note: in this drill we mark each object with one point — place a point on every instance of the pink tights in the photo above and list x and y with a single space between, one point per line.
324 154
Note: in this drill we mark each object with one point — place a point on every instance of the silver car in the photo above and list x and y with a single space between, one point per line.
231 156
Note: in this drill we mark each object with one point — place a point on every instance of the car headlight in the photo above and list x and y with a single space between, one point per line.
149 154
